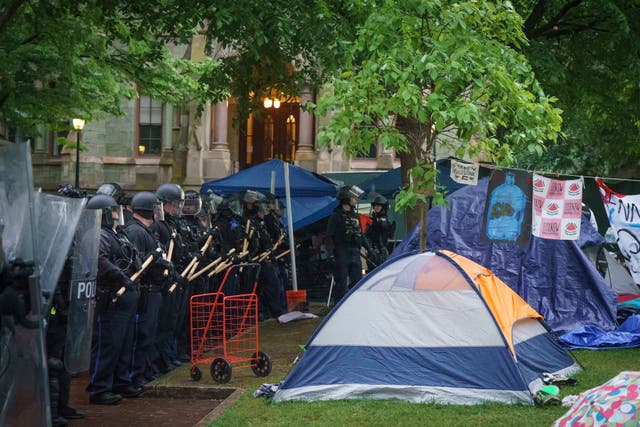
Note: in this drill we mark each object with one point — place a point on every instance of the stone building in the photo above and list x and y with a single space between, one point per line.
153 143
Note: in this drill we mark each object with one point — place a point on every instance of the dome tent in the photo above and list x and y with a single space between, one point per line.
428 327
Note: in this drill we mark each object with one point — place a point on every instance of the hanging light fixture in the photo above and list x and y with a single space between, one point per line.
276 103
268 103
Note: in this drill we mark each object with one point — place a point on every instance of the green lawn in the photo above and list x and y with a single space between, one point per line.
281 342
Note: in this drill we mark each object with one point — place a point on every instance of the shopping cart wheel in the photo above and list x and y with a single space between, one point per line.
221 370
261 364
196 373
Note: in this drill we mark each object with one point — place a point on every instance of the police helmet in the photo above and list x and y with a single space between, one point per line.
210 201
126 200
346 192
380 200
192 203
170 193
112 189
146 204
230 204
172 197
106 204
68 190
251 196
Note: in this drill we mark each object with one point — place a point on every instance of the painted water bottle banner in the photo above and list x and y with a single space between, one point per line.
507 212
557 208
623 212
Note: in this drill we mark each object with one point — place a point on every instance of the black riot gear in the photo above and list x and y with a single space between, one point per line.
380 200
192 203
145 204
106 204
112 189
347 192
170 193
68 190
172 197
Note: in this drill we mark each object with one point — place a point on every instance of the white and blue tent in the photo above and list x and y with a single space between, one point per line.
428 327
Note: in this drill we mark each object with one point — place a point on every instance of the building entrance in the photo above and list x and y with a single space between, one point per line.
272 134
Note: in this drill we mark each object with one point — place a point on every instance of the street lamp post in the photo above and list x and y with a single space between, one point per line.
78 125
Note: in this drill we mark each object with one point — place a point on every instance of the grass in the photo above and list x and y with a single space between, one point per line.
282 343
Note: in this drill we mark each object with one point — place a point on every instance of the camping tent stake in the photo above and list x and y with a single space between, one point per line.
292 243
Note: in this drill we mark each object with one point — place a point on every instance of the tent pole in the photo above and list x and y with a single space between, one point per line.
273 182
292 243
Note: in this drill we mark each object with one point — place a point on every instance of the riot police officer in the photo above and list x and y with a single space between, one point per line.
110 378
270 289
146 208
379 230
172 310
113 190
344 240
275 228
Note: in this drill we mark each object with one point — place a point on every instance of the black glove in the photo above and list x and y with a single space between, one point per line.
165 264
182 281
130 285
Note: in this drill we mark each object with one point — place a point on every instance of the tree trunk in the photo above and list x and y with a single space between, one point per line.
420 141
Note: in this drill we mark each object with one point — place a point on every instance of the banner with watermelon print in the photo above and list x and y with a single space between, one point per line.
557 208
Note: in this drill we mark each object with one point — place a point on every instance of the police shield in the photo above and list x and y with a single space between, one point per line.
24 393
83 258
57 219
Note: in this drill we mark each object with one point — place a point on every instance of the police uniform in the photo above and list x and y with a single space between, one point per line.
345 236
378 233
269 289
115 319
151 284
277 233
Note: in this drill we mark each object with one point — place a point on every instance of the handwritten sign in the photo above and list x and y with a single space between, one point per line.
464 173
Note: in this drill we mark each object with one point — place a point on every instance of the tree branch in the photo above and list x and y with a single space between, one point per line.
8 14
553 23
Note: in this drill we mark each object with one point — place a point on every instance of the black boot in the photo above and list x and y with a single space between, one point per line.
55 369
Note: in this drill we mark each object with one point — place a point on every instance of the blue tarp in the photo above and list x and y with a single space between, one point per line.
313 196
594 338
553 276
386 184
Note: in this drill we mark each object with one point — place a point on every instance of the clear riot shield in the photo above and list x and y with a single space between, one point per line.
82 292
24 392
57 219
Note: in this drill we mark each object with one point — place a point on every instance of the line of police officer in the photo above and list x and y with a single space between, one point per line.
141 327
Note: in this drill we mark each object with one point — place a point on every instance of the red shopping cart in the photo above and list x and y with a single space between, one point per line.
224 329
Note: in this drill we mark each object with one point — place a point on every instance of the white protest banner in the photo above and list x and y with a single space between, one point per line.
623 212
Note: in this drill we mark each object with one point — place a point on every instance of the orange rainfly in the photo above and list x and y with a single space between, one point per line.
506 305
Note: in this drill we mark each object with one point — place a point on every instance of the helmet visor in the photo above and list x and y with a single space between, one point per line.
117 210
158 212
192 206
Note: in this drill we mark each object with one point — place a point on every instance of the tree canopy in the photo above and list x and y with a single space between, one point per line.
587 54
426 70
65 58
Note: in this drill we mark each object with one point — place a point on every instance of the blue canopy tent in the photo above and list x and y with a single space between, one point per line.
313 196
